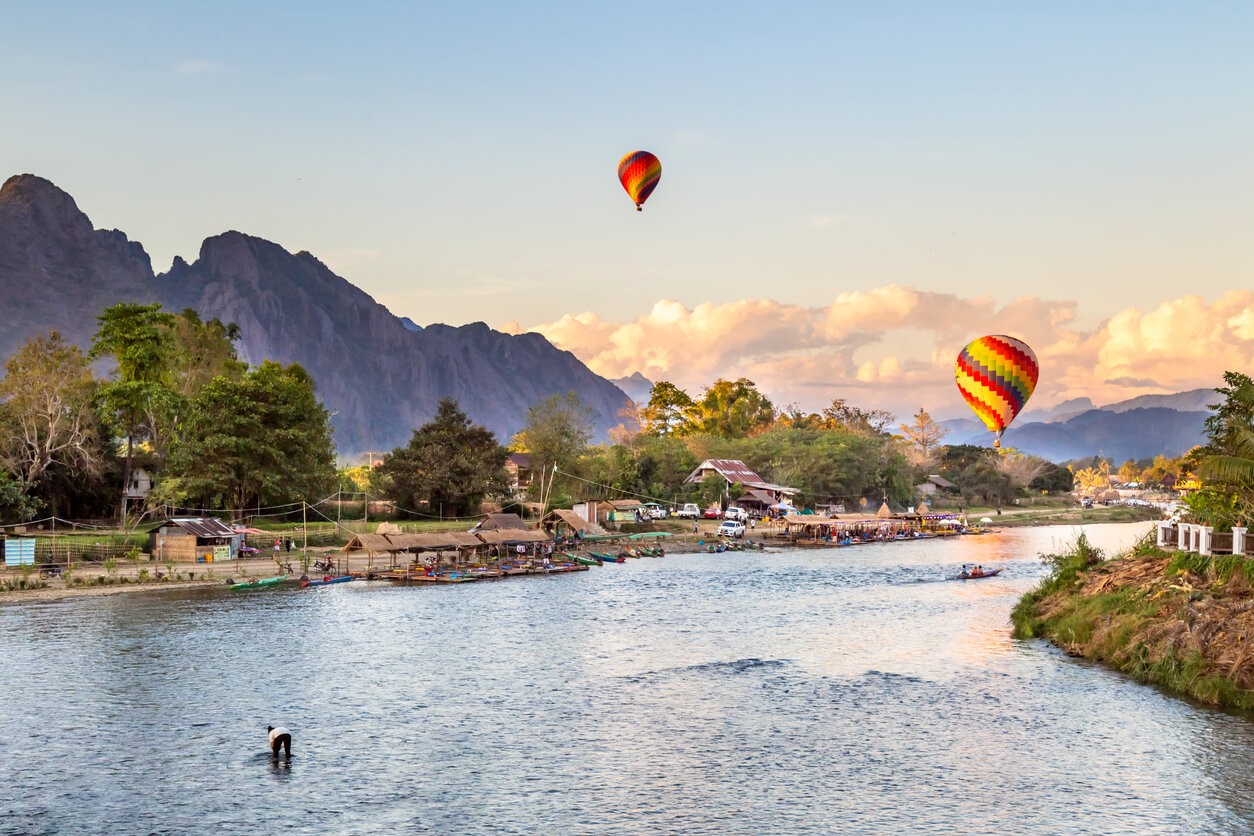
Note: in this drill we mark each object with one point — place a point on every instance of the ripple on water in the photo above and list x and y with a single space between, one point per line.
853 690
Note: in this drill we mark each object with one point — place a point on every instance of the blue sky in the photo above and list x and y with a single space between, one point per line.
457 161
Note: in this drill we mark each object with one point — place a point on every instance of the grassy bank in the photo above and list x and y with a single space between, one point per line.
1177 620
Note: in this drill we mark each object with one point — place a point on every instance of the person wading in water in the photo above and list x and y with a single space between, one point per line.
280 738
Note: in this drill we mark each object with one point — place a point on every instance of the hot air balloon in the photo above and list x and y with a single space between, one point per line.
639 172
996 375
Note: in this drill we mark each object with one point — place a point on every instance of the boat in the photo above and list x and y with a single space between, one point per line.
585 561
306 581
608 558
253 583
988 573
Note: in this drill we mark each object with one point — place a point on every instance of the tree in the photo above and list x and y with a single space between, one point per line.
1226 461
668 410
733 409
557 431
46 413
263 439
1053 479
138 340
449 464
840 414
923 435
982 481
1020 468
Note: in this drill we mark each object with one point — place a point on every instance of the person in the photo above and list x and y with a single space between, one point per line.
288 545
753 523
276 544
546 560
695 527
964 573
977 572
280 738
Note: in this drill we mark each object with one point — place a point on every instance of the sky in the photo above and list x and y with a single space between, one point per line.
850 191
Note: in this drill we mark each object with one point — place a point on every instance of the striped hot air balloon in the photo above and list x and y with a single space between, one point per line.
996 374
639 172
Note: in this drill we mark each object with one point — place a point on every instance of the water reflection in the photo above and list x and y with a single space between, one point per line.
789 692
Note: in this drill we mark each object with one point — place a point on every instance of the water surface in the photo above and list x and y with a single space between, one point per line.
851 690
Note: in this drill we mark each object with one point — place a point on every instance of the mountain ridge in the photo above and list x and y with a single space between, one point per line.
379 376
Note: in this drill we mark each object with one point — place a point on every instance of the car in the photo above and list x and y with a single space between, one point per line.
734 513
691 511
712 513
731 528
654 511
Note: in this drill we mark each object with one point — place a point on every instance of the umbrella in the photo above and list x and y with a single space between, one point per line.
985 520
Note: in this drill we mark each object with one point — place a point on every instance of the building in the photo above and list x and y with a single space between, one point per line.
141 484
193 539
598 511
518 466
759 494
933 485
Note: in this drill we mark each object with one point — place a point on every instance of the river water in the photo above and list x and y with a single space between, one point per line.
851 690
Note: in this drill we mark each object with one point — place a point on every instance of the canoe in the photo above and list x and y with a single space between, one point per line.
608 558
578 558
323 581
988 573
261 584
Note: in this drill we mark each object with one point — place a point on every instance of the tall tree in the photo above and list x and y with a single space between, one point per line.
449 464
557 432
46 416
263 439
733 409
1226 461
924 436
137 337
840 414
668 410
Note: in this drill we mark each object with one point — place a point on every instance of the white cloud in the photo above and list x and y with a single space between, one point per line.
894 346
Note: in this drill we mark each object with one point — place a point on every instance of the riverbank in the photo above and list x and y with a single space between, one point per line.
1177 620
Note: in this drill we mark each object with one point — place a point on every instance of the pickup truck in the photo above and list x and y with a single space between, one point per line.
690 511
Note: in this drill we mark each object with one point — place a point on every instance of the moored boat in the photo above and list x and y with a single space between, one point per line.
585 561
253 583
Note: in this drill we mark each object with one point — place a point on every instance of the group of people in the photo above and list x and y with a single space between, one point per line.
973 572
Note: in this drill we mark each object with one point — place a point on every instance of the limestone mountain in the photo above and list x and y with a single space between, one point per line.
379 375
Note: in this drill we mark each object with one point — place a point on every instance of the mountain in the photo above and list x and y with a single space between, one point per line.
637 387
1194 400
379 376
1122 434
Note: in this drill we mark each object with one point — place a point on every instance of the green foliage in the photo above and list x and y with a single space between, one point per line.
449 464
1053 479
1066 566
556 433
261 439
983 481
732 409
668 410
47 419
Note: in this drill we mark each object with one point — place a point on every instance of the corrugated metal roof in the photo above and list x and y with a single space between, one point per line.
733 470
209 527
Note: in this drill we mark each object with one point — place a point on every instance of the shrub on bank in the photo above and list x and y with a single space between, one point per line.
1177 620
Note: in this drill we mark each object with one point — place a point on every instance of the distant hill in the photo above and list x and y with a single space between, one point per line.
638 387
1120 431
379 375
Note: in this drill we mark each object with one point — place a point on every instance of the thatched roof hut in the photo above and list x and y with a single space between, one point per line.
509 537
564 517
885 513
499 522
371 544
922 509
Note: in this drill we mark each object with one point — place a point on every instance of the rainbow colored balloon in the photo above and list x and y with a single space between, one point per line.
639 172
996 375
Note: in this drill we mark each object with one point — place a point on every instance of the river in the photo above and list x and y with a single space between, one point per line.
852 690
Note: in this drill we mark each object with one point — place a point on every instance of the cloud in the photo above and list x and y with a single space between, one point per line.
893 347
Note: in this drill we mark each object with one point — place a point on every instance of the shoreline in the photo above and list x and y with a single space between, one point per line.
1176 620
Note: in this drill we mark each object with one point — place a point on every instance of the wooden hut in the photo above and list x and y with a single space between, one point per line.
499 521
193 539
563 523
371 544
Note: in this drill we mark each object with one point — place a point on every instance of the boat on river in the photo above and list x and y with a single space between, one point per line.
325 580
608 558
580 559
253 583
988 573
